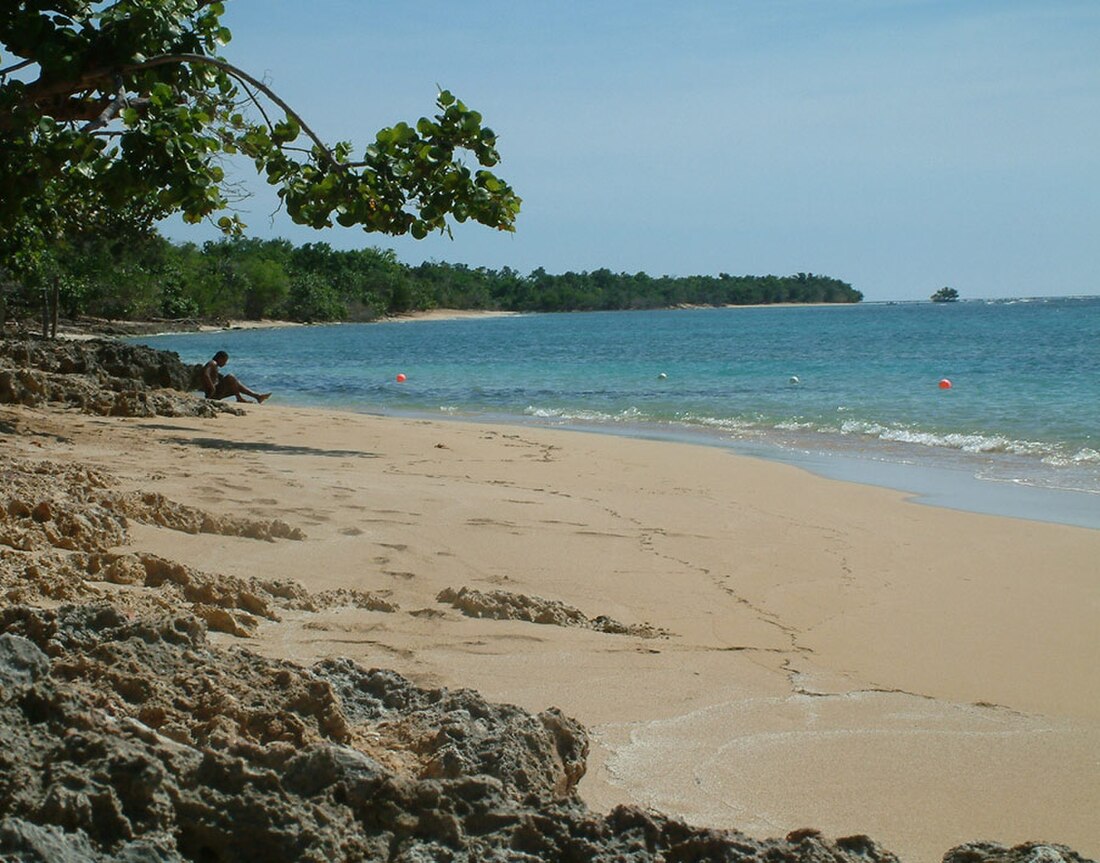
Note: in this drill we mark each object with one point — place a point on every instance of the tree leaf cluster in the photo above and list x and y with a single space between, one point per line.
122 275
127 106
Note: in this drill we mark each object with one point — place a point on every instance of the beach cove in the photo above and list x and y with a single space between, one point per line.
783 650
848 391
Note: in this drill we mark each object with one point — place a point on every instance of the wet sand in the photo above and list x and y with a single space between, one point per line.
835 656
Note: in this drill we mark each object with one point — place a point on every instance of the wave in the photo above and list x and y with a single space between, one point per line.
966 441
1053 454
971 442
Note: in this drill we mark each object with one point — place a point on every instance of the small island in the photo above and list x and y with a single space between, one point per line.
945 295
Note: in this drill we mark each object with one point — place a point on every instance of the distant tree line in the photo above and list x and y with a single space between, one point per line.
135 277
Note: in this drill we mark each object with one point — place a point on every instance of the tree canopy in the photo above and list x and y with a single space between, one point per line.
122 276
945 295
124 110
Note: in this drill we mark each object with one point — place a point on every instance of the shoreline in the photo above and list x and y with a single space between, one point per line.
950 488
92 328
990 483
834 657
924 482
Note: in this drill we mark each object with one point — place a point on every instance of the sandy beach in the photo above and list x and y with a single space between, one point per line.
791 651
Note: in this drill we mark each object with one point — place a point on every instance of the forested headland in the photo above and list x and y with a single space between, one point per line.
111 121
244 278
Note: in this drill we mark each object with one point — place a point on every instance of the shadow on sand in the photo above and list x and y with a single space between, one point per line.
272 448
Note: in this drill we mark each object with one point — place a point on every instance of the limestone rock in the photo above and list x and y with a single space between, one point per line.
103 377
503 605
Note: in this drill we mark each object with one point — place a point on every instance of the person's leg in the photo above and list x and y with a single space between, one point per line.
259 397
236 388
230 386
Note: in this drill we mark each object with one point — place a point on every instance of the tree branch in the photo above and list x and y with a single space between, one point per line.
241 75
39 91
259 107
16 67
108 113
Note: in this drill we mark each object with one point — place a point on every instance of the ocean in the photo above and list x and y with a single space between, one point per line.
852 392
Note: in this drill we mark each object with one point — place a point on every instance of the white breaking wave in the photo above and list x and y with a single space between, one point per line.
974 443
1081 457
580 415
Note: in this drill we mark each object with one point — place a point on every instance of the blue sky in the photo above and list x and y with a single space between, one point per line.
900 145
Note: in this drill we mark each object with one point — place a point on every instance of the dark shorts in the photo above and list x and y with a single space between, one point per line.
222 390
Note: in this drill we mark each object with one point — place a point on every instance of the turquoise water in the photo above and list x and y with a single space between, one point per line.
1023 410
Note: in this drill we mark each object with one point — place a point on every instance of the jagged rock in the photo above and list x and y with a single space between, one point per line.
106 357
368 600
103 377
456 733
143 742
154 508
21 664
58 522
1030 852
129 737
502 605
44 505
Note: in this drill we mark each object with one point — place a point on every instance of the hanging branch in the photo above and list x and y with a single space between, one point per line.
244 77
99 113
23 65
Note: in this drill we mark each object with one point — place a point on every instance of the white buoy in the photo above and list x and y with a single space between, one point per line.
661 376
794 379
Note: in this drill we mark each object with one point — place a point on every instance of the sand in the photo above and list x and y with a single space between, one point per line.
835 656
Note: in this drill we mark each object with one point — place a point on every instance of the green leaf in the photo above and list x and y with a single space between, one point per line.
285 131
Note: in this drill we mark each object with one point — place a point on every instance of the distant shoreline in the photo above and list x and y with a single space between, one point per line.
94 328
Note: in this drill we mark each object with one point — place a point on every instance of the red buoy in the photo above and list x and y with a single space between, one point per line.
401 378
945 384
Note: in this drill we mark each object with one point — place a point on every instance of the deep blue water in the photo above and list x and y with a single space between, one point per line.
1023 410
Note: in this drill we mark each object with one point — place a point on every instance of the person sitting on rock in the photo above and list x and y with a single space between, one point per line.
218 386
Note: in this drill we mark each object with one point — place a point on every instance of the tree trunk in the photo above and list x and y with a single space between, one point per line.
56 302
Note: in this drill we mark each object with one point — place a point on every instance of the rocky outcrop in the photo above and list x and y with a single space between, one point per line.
103 377
133 739
45 504
503 605
58 524
154 508
130 738
1029 852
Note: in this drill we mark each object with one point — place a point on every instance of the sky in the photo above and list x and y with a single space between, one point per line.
899 145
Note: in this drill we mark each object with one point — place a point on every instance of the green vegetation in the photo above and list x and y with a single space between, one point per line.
122 276
945 295
116 114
